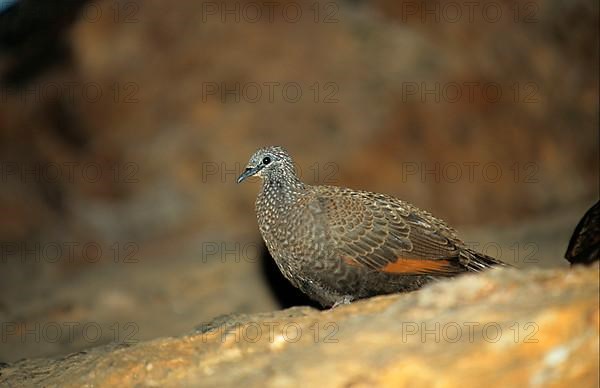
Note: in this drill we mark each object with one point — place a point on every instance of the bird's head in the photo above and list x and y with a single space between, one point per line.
268 162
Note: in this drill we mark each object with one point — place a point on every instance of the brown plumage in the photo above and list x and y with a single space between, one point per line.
338 244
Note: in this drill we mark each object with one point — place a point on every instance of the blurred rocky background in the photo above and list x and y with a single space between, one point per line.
124 124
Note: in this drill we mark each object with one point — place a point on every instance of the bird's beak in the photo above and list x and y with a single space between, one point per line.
248 172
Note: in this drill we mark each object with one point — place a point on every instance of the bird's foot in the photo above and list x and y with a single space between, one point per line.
346 299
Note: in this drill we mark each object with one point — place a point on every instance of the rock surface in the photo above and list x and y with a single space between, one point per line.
507 327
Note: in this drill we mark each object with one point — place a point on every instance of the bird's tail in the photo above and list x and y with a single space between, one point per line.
475 261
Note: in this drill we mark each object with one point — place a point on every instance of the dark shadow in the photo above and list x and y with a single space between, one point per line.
34 37
285 294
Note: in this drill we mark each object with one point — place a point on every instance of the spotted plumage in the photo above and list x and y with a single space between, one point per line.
337 244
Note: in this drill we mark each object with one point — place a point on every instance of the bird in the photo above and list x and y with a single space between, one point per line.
338 245
584 246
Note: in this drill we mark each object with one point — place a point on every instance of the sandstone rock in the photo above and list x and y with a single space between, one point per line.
505 327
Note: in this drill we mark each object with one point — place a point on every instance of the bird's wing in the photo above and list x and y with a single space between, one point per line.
385 234
584 246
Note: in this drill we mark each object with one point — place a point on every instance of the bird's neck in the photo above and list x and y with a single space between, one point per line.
283 189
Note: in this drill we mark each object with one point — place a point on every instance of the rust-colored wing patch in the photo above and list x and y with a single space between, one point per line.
420 267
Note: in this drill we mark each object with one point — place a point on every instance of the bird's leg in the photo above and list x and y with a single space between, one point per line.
346 299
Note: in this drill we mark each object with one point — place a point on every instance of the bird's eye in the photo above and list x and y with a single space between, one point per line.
266 160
